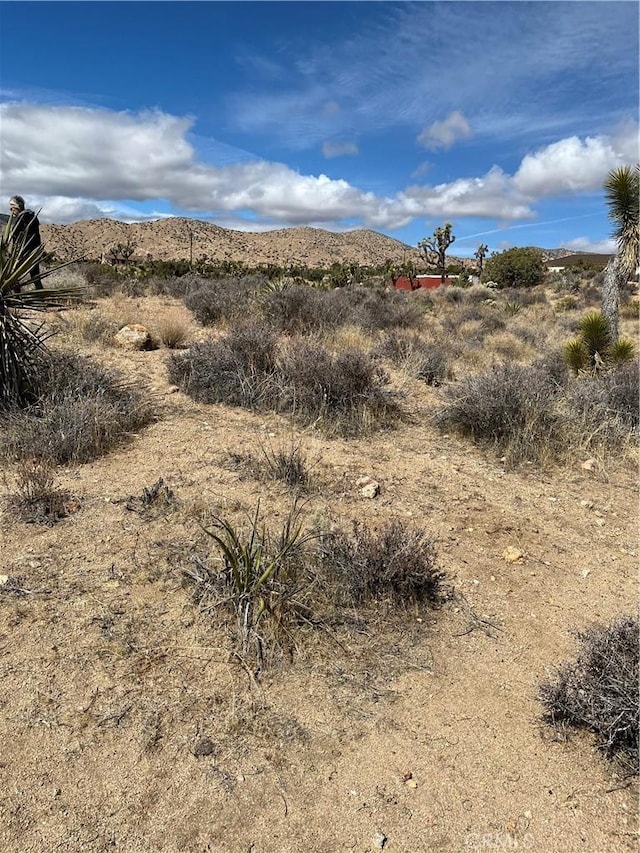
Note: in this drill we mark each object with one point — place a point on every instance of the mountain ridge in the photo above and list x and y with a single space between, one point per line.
176 238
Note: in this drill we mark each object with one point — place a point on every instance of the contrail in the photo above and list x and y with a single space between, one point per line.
526 225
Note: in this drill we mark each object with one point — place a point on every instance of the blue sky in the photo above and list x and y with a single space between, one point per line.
503 118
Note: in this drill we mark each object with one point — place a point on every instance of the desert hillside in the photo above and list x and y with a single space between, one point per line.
177 238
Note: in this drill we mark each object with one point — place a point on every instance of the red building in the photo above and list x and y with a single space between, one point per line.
429 282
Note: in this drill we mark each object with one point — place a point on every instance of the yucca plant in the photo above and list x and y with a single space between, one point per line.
259 578
596 334
621 352
576 355
22 338
594 348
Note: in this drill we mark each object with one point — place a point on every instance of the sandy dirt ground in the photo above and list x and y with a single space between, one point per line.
126 726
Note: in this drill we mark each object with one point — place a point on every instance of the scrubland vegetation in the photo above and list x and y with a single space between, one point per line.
526 373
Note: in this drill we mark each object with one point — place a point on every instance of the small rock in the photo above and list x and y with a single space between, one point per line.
371 490
379 840
4 579
511 554
133 337
588 464
586 573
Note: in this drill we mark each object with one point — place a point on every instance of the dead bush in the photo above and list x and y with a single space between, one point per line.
235 368
298 309
423 359
347 392
225 299
396 564
599 690
173 330
386 309
35 499
607 406
78 412
511 409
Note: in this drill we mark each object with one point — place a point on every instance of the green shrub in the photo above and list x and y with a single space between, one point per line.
515 268
593 348
599 691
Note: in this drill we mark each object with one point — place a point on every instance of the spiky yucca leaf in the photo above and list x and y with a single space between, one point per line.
576 355
622 351
22 340
595 333
623 197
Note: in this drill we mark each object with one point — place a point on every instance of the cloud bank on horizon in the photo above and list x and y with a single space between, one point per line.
322 114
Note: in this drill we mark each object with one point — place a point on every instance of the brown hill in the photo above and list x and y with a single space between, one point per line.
180 239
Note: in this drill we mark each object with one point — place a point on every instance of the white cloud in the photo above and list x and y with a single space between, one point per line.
441 135
583 244
421 170
339 149
575 165
79 163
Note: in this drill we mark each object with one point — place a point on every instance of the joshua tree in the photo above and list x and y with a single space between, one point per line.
22 342
621 191
480 254
435 248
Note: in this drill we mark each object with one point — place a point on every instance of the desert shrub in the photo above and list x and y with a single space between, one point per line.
566 303
507 346
348 392
519 267
176 286
102 279
234 369
221 299
452 295
173 330
424 359
35 498
599 690
397 564
630 309
608 404
487 317
78 412
298 309
510 409
92 326
553 364
286 464
385 309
